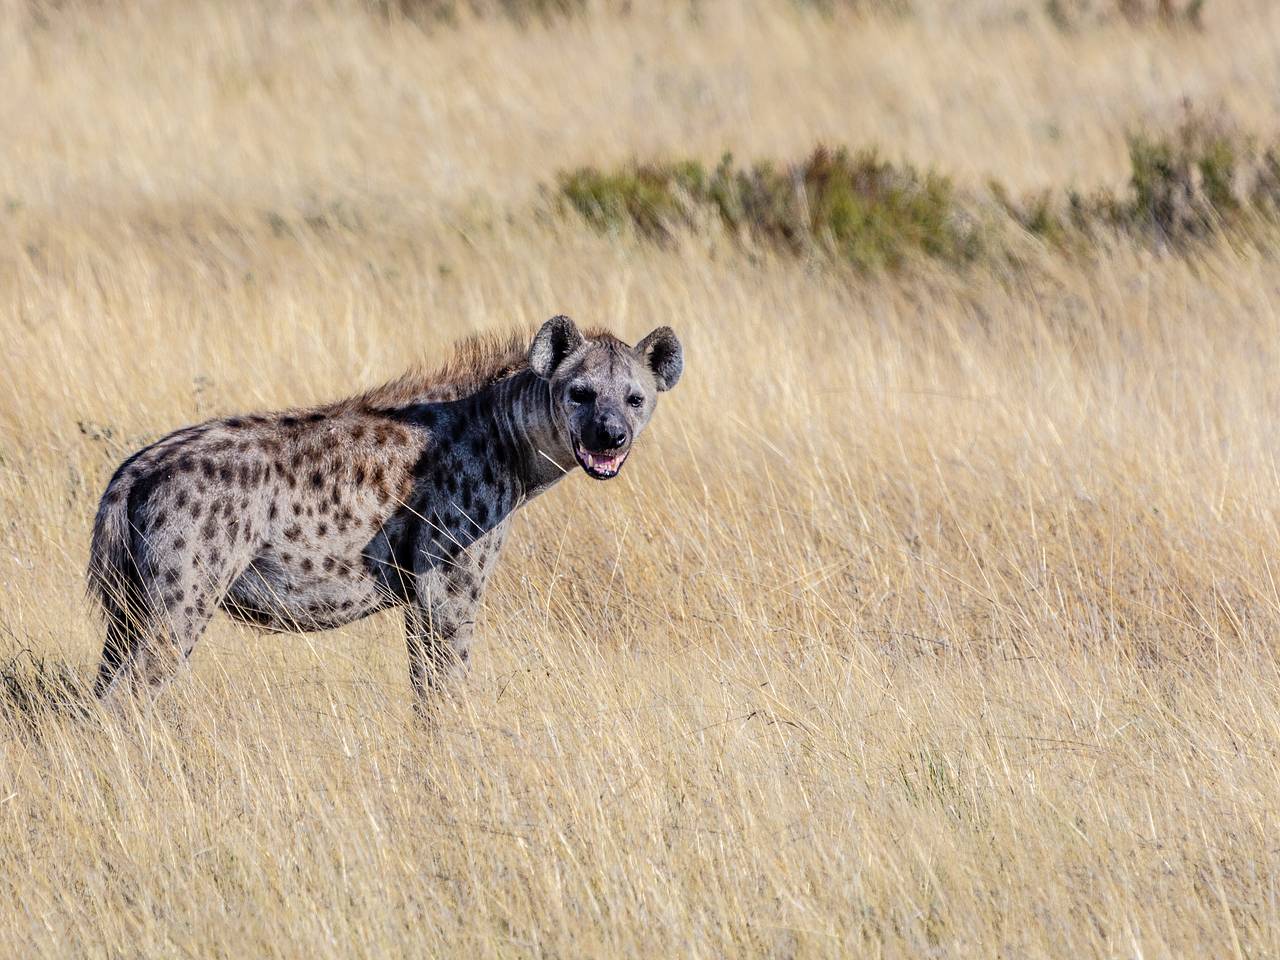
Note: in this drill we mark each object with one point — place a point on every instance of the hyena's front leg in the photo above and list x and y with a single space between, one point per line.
441 617
439 623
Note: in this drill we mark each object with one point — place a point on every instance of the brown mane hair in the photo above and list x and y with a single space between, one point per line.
476 362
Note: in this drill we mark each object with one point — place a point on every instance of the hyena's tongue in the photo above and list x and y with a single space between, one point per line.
603 462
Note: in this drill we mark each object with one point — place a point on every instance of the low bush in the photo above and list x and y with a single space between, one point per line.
444 12
857 208
1199 180
1203 178
1069 14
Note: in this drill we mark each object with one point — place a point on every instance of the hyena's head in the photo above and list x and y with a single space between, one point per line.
602 391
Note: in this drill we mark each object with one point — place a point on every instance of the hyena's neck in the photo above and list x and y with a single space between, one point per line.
518 411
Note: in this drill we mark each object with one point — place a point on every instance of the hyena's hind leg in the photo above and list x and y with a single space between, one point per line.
151 636
148 654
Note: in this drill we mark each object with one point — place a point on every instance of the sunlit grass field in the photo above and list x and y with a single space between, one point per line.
936 613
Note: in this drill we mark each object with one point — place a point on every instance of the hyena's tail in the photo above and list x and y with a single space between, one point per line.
113 576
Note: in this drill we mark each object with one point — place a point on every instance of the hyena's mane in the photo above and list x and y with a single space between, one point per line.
476 362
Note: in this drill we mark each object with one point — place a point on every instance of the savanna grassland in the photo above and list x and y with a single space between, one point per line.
937 612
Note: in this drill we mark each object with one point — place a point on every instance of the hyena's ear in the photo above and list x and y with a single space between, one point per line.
558 338
661 351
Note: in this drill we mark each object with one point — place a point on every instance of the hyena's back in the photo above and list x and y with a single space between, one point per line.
276 519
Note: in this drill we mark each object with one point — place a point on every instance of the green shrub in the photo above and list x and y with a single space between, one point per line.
1069 14
443 12
856 208
1204 176
873 7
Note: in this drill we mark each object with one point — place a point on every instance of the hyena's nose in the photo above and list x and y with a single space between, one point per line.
610 436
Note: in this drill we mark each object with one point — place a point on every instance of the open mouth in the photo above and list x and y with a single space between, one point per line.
602 466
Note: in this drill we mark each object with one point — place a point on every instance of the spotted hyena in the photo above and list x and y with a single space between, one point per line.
402 496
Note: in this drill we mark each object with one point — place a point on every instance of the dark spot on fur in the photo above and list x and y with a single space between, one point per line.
357 432
292 532
315 417
207 468
180 500
328 563
488 473
359 475
272 511
179 543
171 576
482 513
307 564
288 421
186 463
317 479
322 529
235 423
209 528
160 518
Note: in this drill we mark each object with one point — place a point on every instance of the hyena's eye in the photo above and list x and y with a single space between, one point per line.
580 394
635 400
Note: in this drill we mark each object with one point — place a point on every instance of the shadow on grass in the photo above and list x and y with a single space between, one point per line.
34 689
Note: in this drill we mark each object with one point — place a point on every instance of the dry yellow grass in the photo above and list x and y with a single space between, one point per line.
935 616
